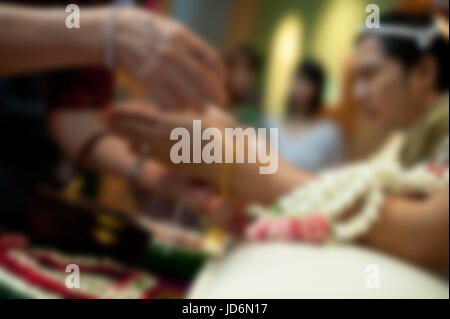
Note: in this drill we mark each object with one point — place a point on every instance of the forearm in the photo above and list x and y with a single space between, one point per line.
266 189
415 230
145 124
36 39
243 180
73 129
112 155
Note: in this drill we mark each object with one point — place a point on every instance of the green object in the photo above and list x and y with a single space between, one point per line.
91 185
7 292
276 208
171 261
249 114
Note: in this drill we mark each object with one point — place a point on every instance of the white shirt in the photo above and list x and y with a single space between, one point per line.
318 148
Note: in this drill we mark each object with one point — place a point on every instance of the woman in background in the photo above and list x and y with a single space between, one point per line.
306 139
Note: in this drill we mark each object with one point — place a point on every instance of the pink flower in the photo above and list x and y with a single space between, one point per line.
437 169
316 228
295 228
280 229
258 230
285 228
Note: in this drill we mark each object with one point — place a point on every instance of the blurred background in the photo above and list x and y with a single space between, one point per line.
279 57
275 36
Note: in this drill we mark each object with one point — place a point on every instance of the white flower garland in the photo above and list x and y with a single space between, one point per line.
336 191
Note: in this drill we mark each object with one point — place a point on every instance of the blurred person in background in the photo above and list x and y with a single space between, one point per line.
402 82
306 139
55 80
243 66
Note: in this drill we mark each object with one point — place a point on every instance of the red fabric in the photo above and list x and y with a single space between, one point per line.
83 88
98 269
164 288
35 278
12 240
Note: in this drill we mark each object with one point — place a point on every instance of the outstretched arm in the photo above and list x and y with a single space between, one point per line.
179 68
36 39
142 123
112 155
417 230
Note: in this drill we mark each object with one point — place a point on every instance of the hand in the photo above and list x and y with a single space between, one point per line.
143 123
179 68
414 229
199 198
160 180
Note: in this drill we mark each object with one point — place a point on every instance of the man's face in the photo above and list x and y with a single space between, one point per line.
382 86
240 78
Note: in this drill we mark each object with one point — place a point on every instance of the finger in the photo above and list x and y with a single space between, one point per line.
157 139
128 114
218 210
203 53
187 94
192 196
182 93
121 117
188 91
206 86
136 109
135 130
163 97
207 203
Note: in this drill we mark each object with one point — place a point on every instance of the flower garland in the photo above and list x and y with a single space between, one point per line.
314 212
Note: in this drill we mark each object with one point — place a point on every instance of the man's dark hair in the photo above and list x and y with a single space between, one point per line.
249 54
314 72
408 51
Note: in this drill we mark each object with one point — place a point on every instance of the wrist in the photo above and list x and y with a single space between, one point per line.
91 40
80 46
135 173
121 32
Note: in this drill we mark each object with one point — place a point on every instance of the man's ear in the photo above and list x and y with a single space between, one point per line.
426 73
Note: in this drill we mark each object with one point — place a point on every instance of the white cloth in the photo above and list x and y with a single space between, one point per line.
294 270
